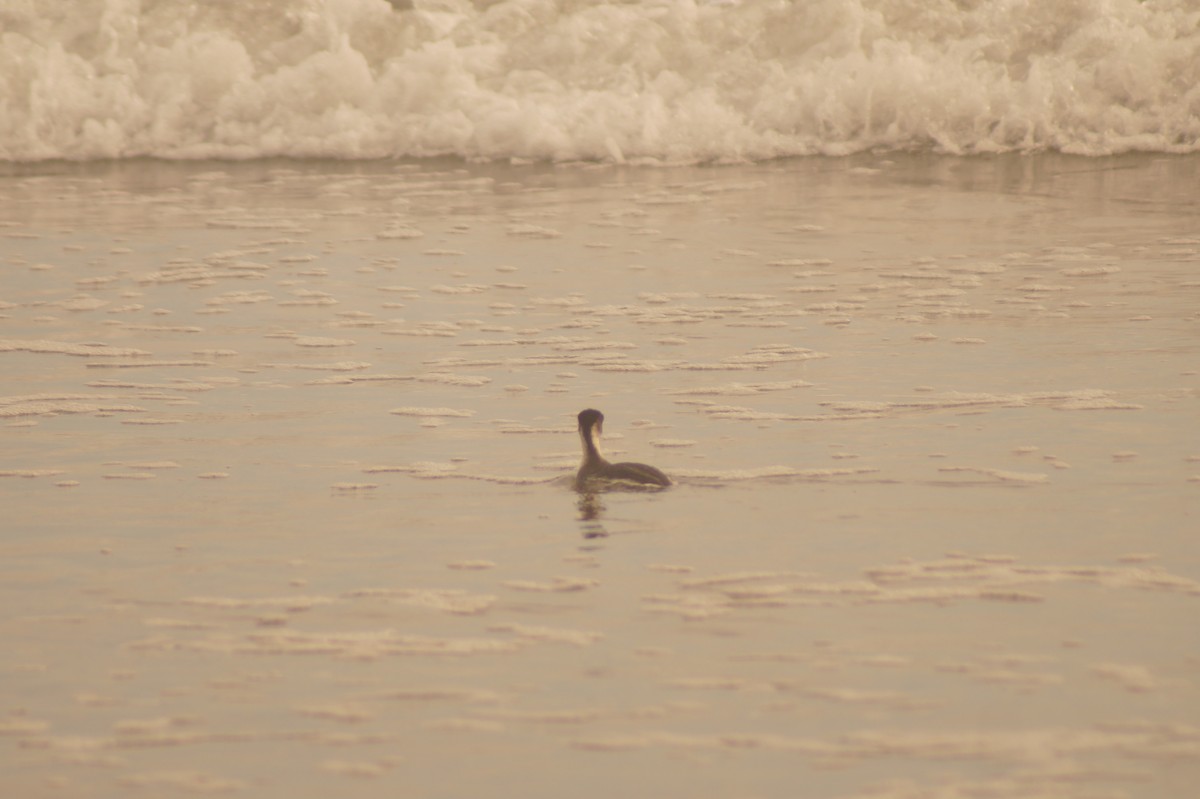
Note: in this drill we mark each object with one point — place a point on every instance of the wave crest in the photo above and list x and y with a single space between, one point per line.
664 82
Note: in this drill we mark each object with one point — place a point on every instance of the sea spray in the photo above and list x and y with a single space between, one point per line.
656 82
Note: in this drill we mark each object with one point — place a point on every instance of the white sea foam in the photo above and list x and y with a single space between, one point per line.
771 473
432 412
663 81
55 404
65 348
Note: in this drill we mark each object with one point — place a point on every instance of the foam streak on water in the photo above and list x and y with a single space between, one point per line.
652 82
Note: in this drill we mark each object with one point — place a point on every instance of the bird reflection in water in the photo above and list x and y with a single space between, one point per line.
591 508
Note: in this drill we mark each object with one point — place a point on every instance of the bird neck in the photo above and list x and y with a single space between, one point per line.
591 447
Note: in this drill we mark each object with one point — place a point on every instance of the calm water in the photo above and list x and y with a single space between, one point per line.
287 446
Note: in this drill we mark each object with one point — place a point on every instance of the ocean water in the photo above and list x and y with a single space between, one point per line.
286 452
640 82
298 303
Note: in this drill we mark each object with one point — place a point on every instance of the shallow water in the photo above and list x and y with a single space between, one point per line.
288 445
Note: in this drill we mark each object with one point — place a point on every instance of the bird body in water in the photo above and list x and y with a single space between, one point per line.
596 468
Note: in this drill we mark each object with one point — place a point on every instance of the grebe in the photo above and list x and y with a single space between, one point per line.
595 467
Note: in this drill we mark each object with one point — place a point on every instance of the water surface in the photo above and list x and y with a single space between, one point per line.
287 449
